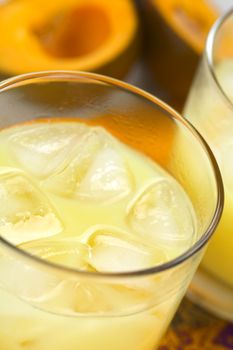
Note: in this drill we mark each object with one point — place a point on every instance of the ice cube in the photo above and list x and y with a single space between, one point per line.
107 179
25 279
113 250
25 213
66 181
71 294
46 288
44 148
97 171
162 214
67 252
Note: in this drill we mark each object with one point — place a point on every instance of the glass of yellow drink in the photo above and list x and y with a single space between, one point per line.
210 108
108 199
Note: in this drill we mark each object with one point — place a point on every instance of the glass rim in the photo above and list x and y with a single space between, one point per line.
209 52
196 247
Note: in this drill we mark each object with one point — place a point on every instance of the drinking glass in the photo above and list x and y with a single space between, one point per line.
93 310
210 109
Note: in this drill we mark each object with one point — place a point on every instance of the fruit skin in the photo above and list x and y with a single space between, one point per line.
120 66
173 59
116 65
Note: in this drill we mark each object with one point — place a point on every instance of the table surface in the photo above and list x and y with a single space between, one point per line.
195 329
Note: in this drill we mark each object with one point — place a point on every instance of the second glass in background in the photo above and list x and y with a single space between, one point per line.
210 108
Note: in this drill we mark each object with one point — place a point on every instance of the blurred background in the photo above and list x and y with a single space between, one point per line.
154 44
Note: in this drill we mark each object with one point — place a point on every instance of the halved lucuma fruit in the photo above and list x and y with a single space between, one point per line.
90 35
175 32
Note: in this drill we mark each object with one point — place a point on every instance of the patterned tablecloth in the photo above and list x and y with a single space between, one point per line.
195 329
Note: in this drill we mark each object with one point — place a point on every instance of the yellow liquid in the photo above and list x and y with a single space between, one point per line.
218 258
213 117
97 206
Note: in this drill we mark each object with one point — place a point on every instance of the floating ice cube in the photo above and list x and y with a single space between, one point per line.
66 181
59 293
46 288
42 149
112 250
25 213
66 252
50 290
162 214
97 171
26 280
107 179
